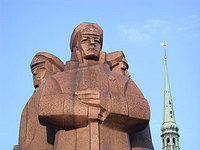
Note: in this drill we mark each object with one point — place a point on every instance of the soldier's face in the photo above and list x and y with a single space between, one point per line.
122 68
90 44
39 72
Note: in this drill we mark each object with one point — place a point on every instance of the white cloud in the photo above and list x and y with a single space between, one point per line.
188 23
133 34
148 29
145 31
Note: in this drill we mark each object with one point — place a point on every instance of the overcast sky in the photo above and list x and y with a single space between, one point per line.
137 27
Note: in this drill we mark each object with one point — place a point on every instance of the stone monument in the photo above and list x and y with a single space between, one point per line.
93 104
138 140
34 136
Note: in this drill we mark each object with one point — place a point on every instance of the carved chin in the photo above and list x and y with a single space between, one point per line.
92 54
36 83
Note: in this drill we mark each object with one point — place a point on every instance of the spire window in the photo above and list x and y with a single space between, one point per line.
168 140
174 141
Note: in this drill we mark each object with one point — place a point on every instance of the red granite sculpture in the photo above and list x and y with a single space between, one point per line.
91 106
142 139
34 136
118 63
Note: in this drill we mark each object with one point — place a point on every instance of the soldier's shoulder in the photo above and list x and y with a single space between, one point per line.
118 76
57 77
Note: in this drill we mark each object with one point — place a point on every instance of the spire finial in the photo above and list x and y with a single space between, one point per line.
164 44
170 135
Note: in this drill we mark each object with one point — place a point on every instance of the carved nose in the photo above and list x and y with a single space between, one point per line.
35 71
92 41
122 65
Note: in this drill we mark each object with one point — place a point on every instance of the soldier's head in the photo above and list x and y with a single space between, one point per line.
87 38
118 63
43 65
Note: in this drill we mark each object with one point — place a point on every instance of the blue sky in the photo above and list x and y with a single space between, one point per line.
137 27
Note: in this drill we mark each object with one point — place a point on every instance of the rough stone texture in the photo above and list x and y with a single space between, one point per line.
93 104
118 64
34 136
141 140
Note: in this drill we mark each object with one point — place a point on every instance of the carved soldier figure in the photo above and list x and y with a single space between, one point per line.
138 140
91 106
34 136
118 63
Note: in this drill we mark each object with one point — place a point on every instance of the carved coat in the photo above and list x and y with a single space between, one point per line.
61 109
34 136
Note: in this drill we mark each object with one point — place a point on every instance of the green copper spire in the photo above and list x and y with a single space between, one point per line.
168 105
170 136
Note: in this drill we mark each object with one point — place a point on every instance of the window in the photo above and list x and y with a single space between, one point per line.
174 141
168 140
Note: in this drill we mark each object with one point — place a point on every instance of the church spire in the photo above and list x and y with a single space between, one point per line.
168 105
170 136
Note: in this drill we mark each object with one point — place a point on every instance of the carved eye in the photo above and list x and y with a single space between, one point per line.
84 39
97 40
42 68
32 70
